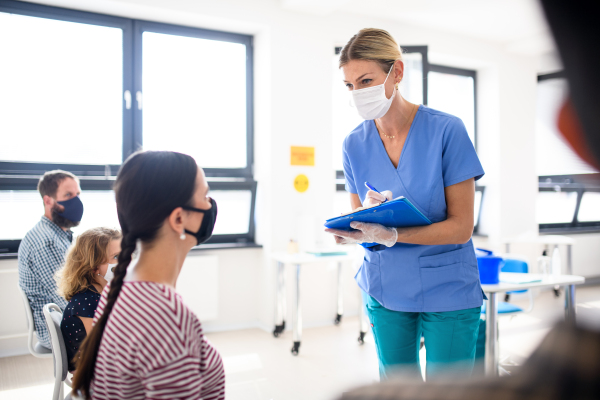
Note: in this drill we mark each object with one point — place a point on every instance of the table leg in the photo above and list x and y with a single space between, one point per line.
570 259
297 317
570 304
363 320
280 308
340 296
491 335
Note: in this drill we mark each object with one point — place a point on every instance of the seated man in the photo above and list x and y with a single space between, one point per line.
43 249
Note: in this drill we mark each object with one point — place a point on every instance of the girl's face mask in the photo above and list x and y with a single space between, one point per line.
109 272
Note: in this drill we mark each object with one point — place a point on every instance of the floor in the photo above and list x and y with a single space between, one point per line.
260 367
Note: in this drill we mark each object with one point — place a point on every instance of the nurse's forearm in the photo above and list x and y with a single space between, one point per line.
450 231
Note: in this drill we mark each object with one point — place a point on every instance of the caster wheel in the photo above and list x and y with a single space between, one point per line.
296 348
556 292
338 319
361 338
279 329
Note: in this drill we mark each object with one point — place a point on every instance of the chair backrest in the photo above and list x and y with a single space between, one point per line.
514 265
30 324
53 316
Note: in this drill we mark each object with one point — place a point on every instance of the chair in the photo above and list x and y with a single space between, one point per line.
36 350
513 263
53 316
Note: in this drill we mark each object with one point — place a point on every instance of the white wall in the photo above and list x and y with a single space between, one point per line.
293 107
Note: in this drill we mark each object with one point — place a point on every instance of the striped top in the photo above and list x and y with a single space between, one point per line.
153 348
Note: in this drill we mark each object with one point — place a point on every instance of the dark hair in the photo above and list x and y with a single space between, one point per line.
576 33
149 186
48 184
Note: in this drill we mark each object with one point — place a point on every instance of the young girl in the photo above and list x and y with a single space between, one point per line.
146 343
81 281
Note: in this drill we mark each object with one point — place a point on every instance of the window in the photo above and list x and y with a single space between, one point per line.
61 75
477 207
188 91
452 90
73 97
568 199
569 203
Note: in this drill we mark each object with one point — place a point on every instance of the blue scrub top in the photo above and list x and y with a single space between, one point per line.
437 153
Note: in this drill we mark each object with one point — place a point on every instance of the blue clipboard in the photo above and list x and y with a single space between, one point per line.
397 213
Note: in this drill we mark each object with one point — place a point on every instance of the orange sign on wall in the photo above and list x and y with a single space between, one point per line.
303 156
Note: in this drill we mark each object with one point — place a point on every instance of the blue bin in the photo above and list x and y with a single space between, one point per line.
489 266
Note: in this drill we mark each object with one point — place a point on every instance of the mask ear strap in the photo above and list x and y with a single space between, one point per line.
195 209
388 75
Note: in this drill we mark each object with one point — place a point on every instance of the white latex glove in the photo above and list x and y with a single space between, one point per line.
375 199
366 233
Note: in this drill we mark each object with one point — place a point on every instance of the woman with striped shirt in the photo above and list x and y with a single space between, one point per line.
146 343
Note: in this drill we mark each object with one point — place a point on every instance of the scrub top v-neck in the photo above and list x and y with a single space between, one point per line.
437 153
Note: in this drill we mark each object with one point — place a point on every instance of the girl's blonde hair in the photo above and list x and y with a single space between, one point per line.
373 45
88 253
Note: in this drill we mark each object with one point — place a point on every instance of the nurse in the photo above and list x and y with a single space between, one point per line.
420 281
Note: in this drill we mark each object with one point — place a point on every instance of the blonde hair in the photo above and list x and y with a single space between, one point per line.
88 253
373 45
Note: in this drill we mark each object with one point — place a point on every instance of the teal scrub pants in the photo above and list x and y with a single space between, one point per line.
450 341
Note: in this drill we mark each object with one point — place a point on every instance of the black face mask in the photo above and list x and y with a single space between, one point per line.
208 222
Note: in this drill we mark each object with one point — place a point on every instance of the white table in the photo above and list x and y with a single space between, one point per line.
549 241
491 338
298 260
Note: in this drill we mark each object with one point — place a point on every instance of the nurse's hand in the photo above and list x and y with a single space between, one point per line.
366 233
374 199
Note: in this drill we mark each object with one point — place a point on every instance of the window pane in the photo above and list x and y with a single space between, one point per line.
453 94
553 155
195 98
411 86
478 196
20 210
100 209
589 209
555 207
341 203
61 90
234 211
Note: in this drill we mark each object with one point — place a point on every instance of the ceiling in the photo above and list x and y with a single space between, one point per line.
518 25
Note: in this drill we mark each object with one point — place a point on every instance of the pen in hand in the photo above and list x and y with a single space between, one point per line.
371 187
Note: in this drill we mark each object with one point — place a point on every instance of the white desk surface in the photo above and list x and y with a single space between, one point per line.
305 258
548 281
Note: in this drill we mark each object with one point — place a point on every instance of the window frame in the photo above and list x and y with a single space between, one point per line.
443 69
570 183
140 27
25 175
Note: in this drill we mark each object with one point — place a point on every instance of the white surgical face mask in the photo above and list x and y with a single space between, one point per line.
371 102
109 273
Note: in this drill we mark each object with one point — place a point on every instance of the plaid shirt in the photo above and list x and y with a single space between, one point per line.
41 253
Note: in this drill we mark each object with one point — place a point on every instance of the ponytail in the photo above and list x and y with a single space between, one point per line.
149 186
88 351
